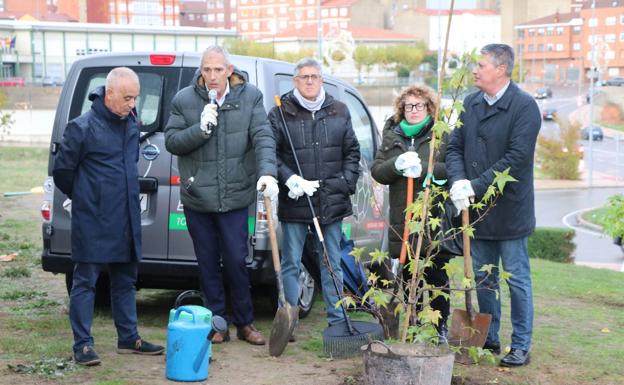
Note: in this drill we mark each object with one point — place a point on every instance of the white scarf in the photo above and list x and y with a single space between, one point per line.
310 105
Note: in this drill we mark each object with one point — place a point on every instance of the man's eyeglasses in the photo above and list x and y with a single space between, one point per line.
417 107
314 78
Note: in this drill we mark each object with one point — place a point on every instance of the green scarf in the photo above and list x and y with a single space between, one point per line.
414 129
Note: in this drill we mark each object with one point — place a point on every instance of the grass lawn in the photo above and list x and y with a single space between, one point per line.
578 332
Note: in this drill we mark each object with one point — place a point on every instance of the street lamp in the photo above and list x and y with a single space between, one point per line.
592 78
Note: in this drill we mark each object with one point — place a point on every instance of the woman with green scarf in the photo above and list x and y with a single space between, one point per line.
404 152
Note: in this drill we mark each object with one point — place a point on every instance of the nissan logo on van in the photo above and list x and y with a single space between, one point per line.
150 152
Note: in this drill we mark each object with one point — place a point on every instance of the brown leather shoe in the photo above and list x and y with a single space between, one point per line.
250 334
219 338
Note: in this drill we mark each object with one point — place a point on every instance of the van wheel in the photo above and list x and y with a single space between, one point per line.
307 292
102 289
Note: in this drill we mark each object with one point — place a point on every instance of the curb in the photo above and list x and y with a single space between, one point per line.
585 223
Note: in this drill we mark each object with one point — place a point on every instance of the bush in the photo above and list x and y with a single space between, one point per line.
553 244
612 220
559 157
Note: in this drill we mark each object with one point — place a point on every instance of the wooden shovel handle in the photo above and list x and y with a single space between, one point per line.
272 235
467 262
408 217
466 245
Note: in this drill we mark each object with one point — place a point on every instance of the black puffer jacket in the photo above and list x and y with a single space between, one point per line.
328 151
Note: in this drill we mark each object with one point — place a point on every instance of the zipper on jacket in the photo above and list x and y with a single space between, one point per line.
325 129
302 127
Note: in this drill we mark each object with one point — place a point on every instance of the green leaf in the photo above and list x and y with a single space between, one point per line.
502 178
357 253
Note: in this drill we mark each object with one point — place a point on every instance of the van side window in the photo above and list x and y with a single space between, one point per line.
147 104
362 126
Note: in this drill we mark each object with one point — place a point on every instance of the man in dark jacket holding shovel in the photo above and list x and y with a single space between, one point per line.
499 131
223 142
329 155
96 167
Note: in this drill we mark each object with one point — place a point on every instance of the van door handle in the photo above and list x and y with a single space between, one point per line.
148 184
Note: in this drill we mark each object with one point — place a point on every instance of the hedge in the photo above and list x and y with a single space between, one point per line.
552 243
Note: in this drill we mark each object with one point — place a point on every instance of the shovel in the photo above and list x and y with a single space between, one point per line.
287 315
468 328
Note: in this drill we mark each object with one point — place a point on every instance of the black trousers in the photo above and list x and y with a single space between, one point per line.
220 243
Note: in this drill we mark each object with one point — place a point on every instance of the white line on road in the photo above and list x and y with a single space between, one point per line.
566 222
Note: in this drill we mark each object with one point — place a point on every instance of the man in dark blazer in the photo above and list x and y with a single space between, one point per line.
96 167
499 131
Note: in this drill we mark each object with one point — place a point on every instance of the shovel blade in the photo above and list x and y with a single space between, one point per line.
283 325
467 331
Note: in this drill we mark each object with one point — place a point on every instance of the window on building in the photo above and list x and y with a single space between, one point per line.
609 38
540 48
613 71
559 47
521 33
204 17
244 26
283 24
233 16
210 4
576 29
220 17
549 47
298 2
531 32
344 12
333 12
282 10
343 25
576 46
621 36
270 11
531 48
621 19
211 18
540 31
298 15
311 13
610 20
191 16
550 31
592 22
622 54
324 13
609 55
311 2
256 25
559 30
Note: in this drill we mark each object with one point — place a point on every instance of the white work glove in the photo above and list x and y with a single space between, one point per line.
461 194
408 164
268 185
299 186
67 206
208 116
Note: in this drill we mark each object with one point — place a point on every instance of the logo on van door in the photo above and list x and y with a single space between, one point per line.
150 152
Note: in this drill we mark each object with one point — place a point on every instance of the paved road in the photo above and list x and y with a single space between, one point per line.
558 208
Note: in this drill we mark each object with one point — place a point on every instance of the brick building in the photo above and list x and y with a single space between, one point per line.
559 47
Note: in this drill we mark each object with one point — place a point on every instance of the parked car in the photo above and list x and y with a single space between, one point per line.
168 256
578 147
12 82
597 133
616 81
549 113
543 93
52 81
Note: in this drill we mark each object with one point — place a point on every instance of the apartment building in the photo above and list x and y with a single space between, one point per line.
220 14
261 19
134 12
561 47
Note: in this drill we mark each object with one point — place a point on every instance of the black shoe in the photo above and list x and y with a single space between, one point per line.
140 347
86 356
516 357
492 347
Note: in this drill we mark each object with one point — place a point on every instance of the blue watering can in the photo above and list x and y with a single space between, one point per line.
188 345
202 313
